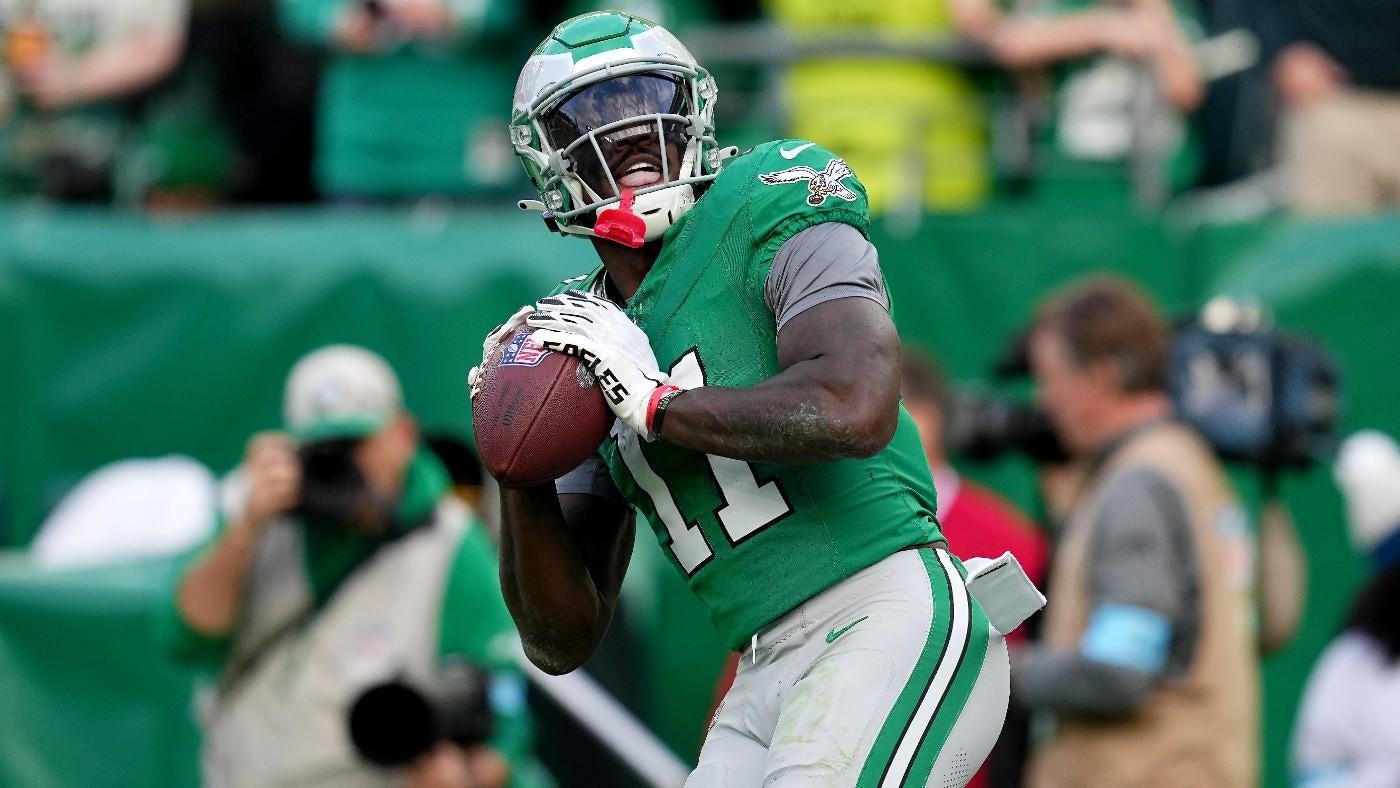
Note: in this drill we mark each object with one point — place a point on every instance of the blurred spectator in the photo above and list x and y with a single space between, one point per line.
1337 69
1148 658
342 560
415 98
1131 76
977 522
66 64
262 90
913 130
1140 30
1347 732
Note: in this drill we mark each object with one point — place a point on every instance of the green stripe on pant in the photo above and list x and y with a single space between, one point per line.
955 699
937 688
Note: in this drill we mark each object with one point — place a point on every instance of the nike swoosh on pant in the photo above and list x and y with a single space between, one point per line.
836 633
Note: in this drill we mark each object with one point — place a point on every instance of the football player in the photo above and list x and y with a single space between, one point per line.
740 329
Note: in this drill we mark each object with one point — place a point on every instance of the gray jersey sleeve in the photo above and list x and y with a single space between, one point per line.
823 263
1141 559
589 478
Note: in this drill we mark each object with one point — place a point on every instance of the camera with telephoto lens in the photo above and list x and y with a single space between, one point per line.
395 723
985 426
332 487
1256 394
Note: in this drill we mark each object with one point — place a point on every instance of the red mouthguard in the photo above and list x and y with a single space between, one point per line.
620 225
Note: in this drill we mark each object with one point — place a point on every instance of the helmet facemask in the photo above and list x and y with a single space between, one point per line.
644 126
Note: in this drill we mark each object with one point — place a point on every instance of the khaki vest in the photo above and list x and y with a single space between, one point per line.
280 718
1195 731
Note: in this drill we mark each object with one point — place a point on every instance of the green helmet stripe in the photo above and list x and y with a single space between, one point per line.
590 34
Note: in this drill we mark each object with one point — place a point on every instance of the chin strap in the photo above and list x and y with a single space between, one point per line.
621 225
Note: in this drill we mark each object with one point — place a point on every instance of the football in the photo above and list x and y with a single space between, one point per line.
537 415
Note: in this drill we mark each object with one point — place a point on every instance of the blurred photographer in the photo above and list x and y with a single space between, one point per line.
1338 79
1147 665
342 563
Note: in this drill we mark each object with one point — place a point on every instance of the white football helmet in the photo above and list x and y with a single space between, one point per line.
595 96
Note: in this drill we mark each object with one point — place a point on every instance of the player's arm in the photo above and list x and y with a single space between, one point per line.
836 397
564 550
563 557
837 392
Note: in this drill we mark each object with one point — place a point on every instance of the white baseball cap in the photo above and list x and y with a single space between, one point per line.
340 391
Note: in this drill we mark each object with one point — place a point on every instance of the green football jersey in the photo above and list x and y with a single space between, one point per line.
754 540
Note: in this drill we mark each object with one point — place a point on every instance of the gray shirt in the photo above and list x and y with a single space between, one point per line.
821 263
1141 557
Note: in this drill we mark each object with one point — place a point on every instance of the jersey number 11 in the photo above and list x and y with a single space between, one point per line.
747 506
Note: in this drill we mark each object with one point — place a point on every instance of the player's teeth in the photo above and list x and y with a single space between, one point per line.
638 178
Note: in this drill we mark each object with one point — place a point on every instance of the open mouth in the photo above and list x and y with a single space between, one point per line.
639 172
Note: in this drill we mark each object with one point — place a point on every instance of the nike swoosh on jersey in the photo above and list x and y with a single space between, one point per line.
792 154
836 633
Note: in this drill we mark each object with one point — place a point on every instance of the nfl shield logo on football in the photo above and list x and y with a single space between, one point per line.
521 352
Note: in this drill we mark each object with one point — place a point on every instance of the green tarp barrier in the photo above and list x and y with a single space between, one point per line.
124 336
128 337
86 699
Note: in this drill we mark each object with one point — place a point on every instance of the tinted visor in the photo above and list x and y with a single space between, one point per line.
612 100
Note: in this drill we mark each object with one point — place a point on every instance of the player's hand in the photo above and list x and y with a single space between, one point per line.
612 346
496 336
594 318
274 478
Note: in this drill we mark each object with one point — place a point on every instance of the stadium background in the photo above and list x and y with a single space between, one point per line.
126 334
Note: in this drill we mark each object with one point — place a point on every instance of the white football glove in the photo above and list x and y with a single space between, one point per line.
496 336
617 352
